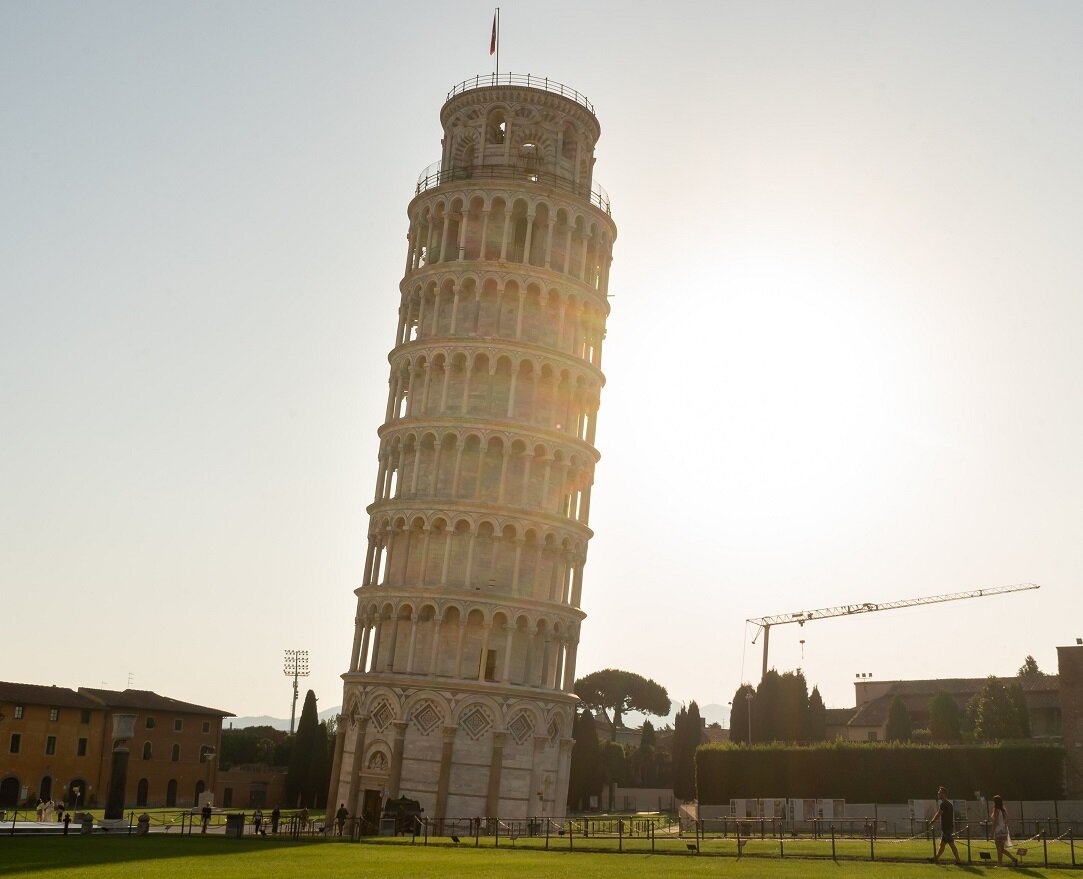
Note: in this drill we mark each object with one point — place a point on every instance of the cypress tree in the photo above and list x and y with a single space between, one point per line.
687 736
945 718
739 710
817 717
299 781
899 727
585 774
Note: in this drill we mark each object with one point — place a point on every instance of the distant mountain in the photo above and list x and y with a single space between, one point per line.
719 714
712 713
282 723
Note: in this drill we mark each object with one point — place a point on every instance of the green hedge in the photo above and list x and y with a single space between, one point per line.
878 772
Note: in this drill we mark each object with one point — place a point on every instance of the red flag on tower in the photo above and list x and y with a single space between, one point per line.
492 40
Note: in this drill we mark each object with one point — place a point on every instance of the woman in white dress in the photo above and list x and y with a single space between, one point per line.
1000 831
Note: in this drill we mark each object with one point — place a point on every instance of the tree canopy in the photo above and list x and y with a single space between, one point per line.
782 710
620 691
899 727
945 718
1029 668
996 711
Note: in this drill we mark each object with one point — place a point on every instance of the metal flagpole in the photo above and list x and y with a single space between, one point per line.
498 44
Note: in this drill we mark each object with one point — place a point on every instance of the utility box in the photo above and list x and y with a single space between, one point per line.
235 825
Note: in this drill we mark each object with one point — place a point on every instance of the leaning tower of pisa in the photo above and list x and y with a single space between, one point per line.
459 689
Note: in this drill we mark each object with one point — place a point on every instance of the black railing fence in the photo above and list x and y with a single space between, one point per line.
1038 842
434 176
528 80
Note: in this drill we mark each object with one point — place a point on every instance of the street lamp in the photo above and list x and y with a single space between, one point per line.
295 665
748 701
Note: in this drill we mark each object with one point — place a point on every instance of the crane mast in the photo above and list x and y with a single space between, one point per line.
764 624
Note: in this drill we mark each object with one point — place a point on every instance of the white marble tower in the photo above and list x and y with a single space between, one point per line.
459 690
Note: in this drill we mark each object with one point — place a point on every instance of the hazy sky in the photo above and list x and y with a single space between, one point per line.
844 361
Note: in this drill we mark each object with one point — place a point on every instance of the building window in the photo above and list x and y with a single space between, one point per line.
178 724
150 723
175 754
84 716
50 744
872 735
146 750
54 714
80 748
206 726
16 740
18 712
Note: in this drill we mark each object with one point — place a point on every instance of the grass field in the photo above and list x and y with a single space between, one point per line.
161 856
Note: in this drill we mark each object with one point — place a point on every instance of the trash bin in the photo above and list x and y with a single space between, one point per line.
235 825
142 827
86 822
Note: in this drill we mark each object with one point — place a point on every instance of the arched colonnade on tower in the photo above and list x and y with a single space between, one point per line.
437 637
494 225
496 555
512 308
498 467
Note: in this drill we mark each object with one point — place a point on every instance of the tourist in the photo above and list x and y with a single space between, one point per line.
276 815
1001 837
206 814
257 819
340 817
946 814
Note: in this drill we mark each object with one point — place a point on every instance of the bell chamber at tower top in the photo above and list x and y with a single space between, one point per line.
514 182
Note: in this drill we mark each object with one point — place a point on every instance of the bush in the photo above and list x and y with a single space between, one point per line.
877 772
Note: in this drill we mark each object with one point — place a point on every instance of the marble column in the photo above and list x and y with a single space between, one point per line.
396 758
359 728
444 781
496 764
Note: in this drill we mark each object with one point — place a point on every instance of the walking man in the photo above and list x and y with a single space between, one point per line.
946 814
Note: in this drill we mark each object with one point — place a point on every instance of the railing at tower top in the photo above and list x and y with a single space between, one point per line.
486 80
434 176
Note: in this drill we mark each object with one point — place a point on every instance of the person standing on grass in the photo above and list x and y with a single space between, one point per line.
257 820
205 812
946 814
340 817
1000 831
276 816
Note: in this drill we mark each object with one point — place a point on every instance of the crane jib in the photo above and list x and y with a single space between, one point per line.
764 624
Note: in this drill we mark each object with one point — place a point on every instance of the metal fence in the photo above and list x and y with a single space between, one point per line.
848 839
434 175
762 838
529 80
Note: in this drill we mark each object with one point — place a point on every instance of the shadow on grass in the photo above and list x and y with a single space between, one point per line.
20 855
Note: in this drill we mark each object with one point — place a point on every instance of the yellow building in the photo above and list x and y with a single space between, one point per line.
55 744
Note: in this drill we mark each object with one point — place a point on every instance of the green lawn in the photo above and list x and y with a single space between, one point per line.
103 857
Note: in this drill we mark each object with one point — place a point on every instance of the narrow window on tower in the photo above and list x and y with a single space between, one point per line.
490 665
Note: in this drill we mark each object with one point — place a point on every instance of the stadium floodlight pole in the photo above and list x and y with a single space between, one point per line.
295 665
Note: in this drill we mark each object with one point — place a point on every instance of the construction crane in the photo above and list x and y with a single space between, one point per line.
824 613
